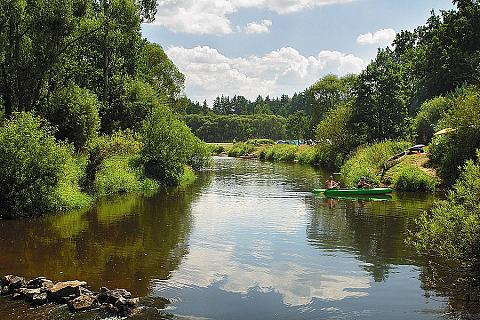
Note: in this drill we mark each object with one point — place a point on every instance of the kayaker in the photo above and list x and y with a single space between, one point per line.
331 184
362 184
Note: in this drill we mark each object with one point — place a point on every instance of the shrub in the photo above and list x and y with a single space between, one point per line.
428 117
279 153
216 149
240 149
34 167
120 143
368 161
452 228
119 174
450 151
74 111
168 145
258 142
411 178
307 155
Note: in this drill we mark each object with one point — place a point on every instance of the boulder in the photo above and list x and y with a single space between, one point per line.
111 296
126 306
10 283
30 293
40 282
83 302
65 290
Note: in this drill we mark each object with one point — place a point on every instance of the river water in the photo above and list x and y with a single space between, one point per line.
247 240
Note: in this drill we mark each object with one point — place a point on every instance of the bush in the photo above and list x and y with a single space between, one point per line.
169 145
74 111
449 152
120 174
240 149
258 142
428 117
34 168
411 178
452 228
368 161
216 149
307 155
279 153
120 143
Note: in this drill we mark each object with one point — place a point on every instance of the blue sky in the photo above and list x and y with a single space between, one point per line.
270 47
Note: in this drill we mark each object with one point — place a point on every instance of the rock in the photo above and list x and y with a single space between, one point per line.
67 289
40 282
17 296
83 302
4 291
109 308
66 299
111 296
30 293
40 299
12 283
126 306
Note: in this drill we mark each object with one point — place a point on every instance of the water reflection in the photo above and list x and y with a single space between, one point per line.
122 242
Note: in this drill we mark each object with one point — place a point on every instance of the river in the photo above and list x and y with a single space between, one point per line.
247 240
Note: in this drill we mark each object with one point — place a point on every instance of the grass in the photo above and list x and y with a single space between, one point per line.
240 149
118 175
368 161
188 176
411 178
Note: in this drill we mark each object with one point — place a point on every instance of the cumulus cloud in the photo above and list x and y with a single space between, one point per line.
212 16
209 73
259 27
382 37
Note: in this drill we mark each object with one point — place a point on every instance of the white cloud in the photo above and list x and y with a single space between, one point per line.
259 27
382 36
212 16
209 73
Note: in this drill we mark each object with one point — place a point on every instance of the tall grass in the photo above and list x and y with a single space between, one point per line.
279 153
411 178
240 149
368 161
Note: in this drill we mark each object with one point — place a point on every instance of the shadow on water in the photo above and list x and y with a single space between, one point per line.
121 242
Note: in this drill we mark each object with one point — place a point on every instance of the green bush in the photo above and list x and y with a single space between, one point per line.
34 167
167 146
426 121
335 139
368 161
279 153
307 155
216 149
75 112
120 174
452 228
241 149
258 142
449 152
411 178
120 143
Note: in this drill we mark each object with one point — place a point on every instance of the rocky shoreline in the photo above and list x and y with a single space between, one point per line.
40 291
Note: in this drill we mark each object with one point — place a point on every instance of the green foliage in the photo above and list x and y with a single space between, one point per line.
379 111
226 128
411 178
279 153
259 142
188 176
307 155
168 145
34 167
450 151
121 174
74 111
452 228
241 149
368 161
120 143
428 117
298 125
334 136
216 149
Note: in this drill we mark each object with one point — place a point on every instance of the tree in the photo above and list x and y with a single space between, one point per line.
379 111
298 125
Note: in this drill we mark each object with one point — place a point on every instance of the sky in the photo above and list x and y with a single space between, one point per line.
275 47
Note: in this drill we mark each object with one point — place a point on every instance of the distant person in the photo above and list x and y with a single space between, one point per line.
331 183
362 184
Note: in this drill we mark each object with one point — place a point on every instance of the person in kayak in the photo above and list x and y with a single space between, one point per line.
362 184
331 184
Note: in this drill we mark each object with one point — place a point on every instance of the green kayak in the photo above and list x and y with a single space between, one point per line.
353 192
